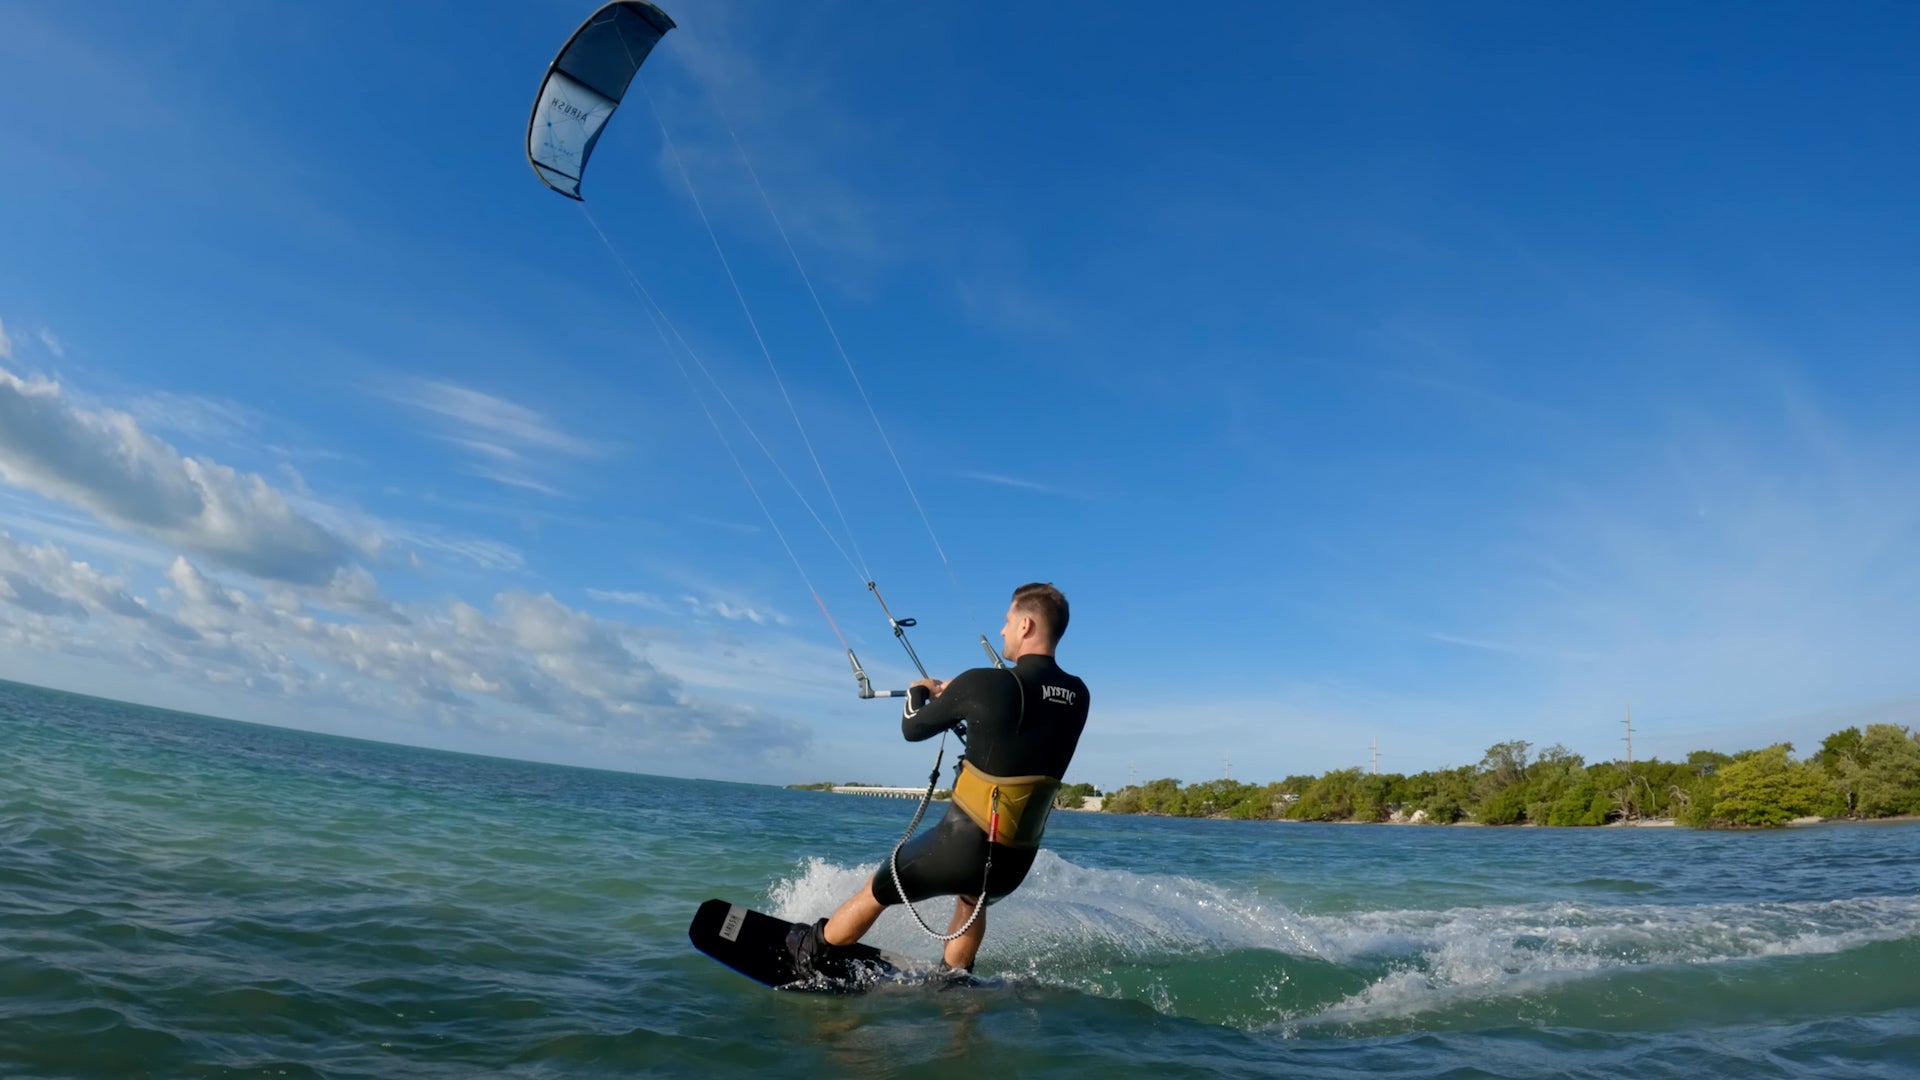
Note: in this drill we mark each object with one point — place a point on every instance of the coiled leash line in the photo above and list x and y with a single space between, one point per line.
980 901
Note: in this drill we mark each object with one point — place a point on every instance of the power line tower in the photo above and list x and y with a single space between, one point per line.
1227 768
1629 723
1376 755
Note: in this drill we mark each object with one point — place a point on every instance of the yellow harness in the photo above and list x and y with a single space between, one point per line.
1011 810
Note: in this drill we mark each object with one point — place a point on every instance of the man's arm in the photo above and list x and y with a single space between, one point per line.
932 716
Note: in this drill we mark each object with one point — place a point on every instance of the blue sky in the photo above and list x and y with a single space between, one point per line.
1438 374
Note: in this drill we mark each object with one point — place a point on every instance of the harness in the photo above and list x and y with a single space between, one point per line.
1011 810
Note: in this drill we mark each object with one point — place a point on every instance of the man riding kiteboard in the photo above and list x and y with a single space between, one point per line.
1023 723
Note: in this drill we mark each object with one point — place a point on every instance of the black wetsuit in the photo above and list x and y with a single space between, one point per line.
1025 721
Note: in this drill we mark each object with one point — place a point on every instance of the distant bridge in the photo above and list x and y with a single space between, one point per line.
883 792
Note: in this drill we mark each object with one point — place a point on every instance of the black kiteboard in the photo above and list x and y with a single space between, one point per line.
755 945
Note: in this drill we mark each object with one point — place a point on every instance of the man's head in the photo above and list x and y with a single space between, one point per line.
1035 620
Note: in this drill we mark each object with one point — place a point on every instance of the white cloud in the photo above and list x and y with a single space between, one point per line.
42 579
6 343
104 461
527 667
21 591
197 590
52 341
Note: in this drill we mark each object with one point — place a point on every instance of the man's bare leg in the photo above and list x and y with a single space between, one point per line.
854 918
961 950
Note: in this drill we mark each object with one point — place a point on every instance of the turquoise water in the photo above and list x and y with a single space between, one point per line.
189 897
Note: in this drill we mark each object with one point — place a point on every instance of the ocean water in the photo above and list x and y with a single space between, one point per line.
187 897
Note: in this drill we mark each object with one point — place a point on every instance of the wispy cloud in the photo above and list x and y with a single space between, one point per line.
1019 483
49 519
52 342
792 130
1469 394
648 601
731 526
723 610
503 439
484 419
788 667
1005 481
479 552
1509 648
1015 310
1737 577
6 343
855 193
516 480
1768 570
733 611
199 417
484 449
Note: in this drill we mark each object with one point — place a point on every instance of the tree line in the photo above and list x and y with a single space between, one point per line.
1873 773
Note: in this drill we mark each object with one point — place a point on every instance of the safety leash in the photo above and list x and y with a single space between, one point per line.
893 860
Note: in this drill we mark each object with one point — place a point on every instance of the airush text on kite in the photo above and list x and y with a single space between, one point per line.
602 59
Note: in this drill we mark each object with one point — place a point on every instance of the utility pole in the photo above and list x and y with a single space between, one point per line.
1629 723
1376 755
1228 768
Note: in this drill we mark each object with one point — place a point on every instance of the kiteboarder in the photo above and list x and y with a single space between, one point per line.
1023 723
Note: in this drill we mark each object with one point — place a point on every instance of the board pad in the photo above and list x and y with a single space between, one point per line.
755 945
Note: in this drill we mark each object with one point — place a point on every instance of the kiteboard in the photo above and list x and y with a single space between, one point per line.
755 945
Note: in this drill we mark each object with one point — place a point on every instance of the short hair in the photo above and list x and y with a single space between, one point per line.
1046 604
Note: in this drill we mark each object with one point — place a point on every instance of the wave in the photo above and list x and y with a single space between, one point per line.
1198 950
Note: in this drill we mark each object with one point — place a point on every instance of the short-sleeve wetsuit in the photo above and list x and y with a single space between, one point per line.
1021 721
